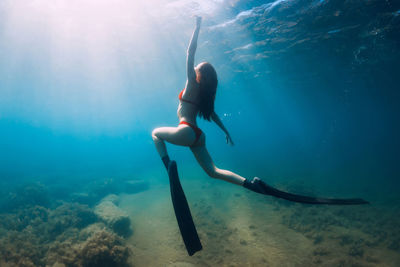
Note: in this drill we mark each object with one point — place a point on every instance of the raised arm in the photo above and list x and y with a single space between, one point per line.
217 120
192 51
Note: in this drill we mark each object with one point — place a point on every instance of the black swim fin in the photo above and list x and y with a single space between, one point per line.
257 185
182 212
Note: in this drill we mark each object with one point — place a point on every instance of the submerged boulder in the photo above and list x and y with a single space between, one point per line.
113 216
67 236
104 249
112 198
99 248
69 215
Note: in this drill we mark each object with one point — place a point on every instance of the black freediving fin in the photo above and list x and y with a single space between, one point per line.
261 187
182 212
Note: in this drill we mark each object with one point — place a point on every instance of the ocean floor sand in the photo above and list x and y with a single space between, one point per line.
237 227
240 228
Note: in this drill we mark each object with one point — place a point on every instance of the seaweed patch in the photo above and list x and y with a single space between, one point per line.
70 234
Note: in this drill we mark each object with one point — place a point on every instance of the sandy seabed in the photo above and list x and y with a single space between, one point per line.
237 227
240 228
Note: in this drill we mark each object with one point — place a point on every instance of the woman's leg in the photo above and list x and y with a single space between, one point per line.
182 136
206 162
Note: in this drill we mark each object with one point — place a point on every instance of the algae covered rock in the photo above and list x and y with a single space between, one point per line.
32 216
113 217
22 248
104 249
113 198
69 235
100 249
69 215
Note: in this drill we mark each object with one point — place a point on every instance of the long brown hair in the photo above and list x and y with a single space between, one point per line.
208 89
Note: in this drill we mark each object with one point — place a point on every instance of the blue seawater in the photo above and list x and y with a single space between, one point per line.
308 89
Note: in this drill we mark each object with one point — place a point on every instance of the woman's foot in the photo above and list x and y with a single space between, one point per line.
254 185
257 185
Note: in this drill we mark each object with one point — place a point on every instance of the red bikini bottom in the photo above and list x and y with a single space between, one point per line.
196 130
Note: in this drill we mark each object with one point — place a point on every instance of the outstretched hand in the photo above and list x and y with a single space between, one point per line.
229 140
198 21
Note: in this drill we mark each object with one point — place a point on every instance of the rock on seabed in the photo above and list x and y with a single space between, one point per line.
113 217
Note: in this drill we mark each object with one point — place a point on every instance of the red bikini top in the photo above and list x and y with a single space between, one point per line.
184 100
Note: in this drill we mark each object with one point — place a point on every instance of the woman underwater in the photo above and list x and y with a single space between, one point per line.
197 99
